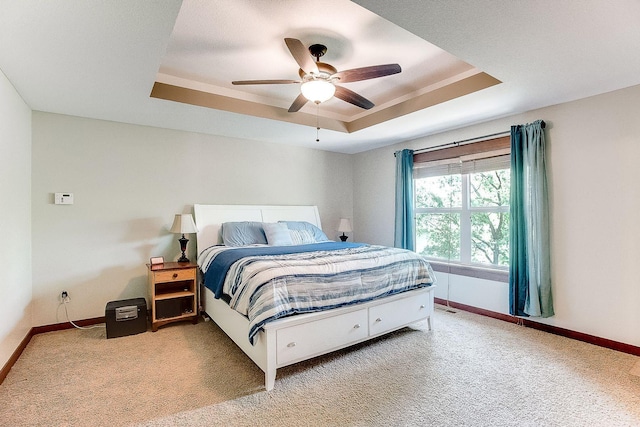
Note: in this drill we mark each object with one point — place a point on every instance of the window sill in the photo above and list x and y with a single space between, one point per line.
471 271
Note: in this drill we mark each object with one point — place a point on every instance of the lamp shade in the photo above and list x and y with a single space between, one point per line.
183 224
317 90
344 226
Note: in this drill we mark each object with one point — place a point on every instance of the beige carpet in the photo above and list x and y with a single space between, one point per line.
469 371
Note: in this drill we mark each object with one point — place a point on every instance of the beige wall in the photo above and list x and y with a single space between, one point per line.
129 181
594 184
15 219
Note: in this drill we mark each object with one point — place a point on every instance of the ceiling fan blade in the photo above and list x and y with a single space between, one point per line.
264 82
298 103
302 56
353 98
366 73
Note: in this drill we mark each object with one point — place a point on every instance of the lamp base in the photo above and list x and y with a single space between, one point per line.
344 237
183 247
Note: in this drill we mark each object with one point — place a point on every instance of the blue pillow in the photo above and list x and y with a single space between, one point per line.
243 233
318 235
277 234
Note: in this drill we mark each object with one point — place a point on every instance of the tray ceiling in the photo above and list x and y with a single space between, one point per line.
202 60
101 60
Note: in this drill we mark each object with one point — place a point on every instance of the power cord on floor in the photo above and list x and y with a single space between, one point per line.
66 312
449 308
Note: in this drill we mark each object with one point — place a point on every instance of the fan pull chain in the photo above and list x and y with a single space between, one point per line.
317 123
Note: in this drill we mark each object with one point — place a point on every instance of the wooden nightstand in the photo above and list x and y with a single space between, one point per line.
173 293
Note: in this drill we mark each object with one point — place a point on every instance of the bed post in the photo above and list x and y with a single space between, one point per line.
270 372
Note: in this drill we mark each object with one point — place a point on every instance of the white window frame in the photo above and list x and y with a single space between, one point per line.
465 212
464 266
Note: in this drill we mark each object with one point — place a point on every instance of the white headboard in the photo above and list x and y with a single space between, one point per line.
209 218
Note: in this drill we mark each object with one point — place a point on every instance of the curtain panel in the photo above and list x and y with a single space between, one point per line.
529 269
404 235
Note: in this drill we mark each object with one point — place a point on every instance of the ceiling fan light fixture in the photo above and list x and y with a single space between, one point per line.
317 78
318 90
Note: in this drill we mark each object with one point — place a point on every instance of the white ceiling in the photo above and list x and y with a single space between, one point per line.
100 59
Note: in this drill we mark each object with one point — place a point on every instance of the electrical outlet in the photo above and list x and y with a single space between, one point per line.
64 297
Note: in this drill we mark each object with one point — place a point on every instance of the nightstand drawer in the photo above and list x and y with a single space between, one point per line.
174 275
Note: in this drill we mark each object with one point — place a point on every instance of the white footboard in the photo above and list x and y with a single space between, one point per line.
301 337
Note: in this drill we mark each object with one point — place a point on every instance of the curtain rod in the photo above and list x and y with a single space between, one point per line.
457 143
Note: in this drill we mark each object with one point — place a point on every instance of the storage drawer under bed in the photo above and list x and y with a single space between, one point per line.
401 312
308 340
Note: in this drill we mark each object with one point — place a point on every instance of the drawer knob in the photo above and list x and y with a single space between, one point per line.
422 306
291 344
379 319
175 275
356 326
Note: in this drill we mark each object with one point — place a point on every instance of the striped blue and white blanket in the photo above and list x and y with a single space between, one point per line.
265 283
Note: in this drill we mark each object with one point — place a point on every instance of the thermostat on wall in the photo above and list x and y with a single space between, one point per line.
64 198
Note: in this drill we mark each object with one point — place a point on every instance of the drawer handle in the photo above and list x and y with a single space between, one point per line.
379 319
356 326
422 306
175 275
291 344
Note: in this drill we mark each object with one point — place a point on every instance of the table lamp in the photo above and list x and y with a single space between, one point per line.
345 227
183 224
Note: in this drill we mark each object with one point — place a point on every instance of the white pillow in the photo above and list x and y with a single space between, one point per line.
277 234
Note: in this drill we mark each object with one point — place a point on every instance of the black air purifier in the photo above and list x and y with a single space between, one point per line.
126 317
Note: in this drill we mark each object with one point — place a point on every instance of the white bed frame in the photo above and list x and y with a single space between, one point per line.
304 336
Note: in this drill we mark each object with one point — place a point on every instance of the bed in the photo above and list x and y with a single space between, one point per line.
301 330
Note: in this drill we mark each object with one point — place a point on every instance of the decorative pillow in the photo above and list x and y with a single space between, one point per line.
301 237
277 234
318 235
243 233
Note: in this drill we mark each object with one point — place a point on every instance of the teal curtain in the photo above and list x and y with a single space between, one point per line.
404 236
529 269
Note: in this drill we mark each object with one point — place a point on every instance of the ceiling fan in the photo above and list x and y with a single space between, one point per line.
318 79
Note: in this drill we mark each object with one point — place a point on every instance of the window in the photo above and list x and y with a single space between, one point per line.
462 204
